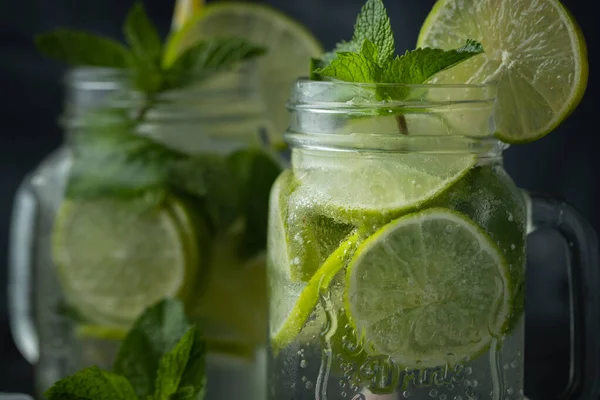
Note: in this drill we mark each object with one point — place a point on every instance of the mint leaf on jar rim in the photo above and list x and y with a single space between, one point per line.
418 66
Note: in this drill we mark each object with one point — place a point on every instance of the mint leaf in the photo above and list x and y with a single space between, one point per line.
181 372
369 50
342 47
143 38
208 57
373 24
154 334
91 384
256 172
351 67
417 66
83 49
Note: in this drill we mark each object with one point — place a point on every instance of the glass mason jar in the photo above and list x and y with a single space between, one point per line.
105 227
396 251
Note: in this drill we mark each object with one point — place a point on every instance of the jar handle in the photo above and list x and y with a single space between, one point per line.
20 292
584 284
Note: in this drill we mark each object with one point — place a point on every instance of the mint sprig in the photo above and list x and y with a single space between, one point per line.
369 56
110 158
144 53
161 358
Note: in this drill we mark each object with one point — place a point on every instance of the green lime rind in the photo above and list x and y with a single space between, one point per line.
421 285
306 302
381 190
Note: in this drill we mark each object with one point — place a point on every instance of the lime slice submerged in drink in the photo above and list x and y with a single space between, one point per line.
115 258
356 190
428 289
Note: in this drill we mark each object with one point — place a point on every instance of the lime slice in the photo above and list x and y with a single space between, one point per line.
489 197
292 303
355 190
290 47
533 49
114 258
278 251
428 289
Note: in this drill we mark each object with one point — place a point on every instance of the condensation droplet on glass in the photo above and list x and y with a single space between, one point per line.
406 394
468 370
343 394
304 379
510 390
450 386
293 385
309 385
510 217
342 383
458 397
514 364
512 246
354 388
475 383
519 353
443 396
303 364
505 366
433 393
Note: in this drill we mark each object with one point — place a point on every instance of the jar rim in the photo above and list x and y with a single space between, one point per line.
340 94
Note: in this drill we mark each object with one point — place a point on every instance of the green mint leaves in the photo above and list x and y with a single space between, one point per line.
161 358
92 384
82 48
369 57
373 24
145 53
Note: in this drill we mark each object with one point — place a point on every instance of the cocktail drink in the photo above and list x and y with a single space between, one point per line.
168 208
396 263
397 241
160 191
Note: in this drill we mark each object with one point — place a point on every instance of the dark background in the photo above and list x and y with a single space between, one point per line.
563 164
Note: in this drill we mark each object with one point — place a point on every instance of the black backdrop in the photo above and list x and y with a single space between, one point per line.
564 163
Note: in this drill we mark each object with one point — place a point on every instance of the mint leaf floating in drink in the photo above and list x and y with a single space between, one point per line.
161 358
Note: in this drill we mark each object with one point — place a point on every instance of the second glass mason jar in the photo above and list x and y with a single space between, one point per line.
173 204
396 251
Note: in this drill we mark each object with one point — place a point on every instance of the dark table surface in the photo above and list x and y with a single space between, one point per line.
566 163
